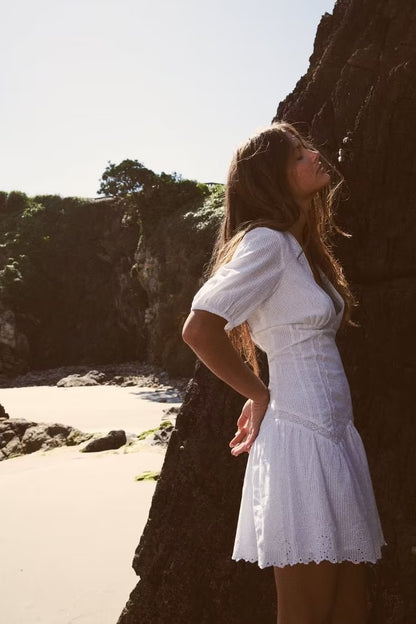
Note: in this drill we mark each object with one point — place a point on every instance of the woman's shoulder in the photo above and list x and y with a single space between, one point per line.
262 231
265 238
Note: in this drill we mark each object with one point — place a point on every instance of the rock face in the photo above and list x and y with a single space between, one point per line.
14 347
86 281
67 292
169 261
357 98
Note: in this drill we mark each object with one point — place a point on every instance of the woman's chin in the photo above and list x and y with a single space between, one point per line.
325 179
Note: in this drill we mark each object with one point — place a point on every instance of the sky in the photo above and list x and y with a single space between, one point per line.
176 85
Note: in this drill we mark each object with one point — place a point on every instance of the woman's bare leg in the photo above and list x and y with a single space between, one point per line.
306 593
351 595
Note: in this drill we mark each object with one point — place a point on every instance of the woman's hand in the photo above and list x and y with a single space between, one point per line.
248 425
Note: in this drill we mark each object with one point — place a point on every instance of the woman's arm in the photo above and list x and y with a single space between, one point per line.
204 332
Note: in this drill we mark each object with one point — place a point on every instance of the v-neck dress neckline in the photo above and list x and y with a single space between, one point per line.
335 297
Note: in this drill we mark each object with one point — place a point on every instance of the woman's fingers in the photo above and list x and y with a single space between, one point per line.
248 425
243 447
238 437
243 441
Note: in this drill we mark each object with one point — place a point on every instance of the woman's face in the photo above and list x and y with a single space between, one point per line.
305 173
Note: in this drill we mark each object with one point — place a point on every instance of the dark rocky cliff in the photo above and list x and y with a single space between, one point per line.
174 246
67 293
102 281
358 96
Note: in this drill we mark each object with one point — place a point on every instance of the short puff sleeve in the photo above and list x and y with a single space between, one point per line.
240 286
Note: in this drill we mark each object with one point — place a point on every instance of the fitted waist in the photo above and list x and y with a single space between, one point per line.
316 386
290 342
315 389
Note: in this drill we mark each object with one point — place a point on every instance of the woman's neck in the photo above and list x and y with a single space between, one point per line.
298 228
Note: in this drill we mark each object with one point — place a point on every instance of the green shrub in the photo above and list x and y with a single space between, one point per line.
3 201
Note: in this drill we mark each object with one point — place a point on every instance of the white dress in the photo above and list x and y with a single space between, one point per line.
307 493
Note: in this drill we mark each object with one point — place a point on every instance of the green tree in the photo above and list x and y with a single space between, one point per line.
125 179
148 196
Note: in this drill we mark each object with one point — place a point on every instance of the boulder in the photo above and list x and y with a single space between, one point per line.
92 378
21 437
113 440
3 414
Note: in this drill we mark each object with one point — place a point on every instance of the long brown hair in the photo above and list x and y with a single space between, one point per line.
258 194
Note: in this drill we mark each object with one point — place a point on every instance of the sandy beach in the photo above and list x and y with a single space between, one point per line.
71 521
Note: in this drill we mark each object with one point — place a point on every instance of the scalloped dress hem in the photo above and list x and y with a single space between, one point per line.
317 560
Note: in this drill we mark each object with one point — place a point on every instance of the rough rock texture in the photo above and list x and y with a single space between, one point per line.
92 378
3 414
113 440
20 437
162 435
14 346
170 258
359 96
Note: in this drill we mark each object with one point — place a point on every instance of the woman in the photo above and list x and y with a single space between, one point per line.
307 506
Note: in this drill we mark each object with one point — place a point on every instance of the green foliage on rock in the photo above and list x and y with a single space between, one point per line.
210 214
18 234
35 240
3 201
175 247
145 434
148 475
17 201
148 196
82 276
61 261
